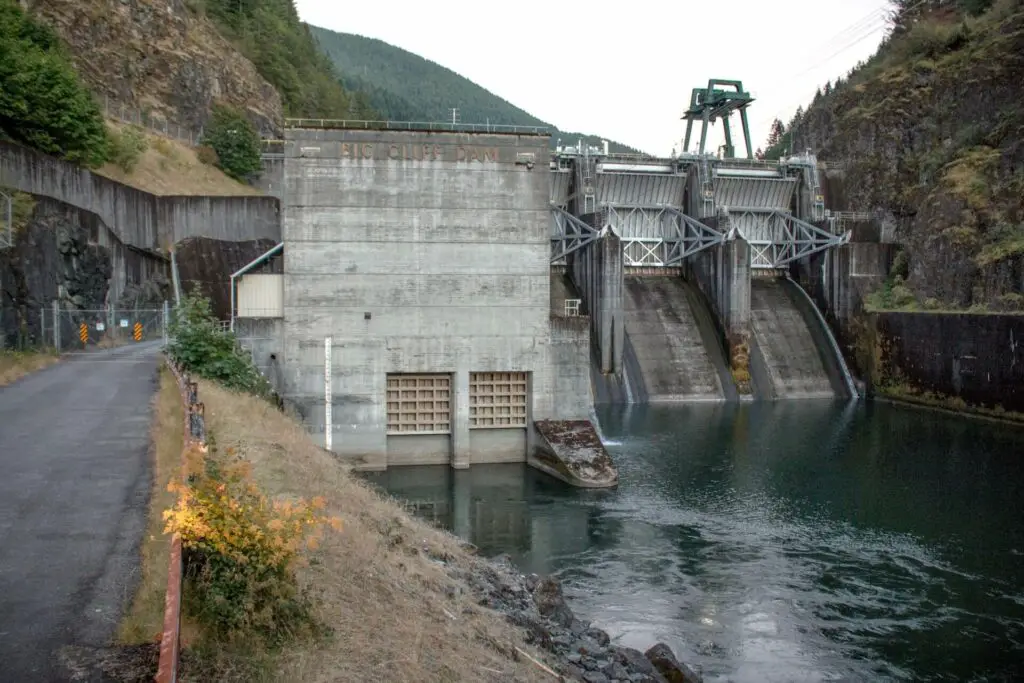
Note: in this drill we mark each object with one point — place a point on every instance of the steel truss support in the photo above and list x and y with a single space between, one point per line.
777 238
658 235
568 233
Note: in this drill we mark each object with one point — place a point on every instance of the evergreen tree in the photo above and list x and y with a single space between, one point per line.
775 133
236 143
43 104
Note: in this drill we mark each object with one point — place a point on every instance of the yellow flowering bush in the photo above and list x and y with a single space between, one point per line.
241 548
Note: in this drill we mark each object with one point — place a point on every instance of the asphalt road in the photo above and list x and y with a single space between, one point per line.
74 485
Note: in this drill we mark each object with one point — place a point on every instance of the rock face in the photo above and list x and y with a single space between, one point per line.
583 653
208 264
156 55
571 450
931 131
64 254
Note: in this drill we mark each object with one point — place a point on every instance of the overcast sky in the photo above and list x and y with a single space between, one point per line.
625 70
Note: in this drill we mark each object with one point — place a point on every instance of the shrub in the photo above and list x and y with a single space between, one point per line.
202 347
163 146
127 147
207 155
931 39
235 141
43 104
242 549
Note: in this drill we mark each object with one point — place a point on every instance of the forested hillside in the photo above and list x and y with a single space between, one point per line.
270 35
403 86
931 129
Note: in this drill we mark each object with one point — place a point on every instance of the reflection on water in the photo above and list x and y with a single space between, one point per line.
797 541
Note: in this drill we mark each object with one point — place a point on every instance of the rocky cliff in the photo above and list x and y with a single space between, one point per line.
158 56
931 130
64 254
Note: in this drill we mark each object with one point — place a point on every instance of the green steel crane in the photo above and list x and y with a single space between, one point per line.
710 103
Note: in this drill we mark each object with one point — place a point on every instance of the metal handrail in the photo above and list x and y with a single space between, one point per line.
351 124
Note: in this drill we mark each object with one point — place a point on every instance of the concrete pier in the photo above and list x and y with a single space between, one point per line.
597 271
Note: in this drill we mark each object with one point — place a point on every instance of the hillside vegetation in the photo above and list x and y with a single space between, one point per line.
270 35
403 86
932 132
167 167
158 59
43 103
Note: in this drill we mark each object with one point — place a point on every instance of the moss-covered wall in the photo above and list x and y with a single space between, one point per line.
952 360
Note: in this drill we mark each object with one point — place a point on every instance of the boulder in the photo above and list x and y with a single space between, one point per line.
673 670
551 603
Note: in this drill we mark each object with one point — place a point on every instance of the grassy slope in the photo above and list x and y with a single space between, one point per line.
386 600
16 364
406 87
144 621
168 167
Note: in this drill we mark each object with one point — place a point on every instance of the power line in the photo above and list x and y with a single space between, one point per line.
875 22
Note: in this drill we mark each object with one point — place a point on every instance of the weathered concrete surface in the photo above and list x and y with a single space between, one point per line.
74 452
418 252
571 450
976 358
597 272
674 361
723 274
137 218
785 345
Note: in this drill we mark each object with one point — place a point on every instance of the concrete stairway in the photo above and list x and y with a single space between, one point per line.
667 342
792 361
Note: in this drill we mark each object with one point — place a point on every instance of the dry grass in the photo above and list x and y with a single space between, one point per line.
382 596
169 167
16 364
144 621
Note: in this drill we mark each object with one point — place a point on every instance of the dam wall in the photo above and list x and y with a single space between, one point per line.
789 347
136 218
677 362
417 284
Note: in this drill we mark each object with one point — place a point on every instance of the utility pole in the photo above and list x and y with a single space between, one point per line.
455 115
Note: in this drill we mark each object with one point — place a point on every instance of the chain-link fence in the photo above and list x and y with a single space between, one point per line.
152 122
70 329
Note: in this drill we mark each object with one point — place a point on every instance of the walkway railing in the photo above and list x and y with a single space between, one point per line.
195 438
439 126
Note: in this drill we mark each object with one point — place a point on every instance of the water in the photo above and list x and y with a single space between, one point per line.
796 541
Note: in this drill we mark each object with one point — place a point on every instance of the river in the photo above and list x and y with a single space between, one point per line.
790 541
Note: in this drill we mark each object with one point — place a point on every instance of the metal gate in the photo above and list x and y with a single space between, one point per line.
71 330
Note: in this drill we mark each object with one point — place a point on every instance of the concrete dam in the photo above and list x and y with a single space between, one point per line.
458 297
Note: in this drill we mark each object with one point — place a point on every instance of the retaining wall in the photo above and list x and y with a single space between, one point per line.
139 219
977 358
